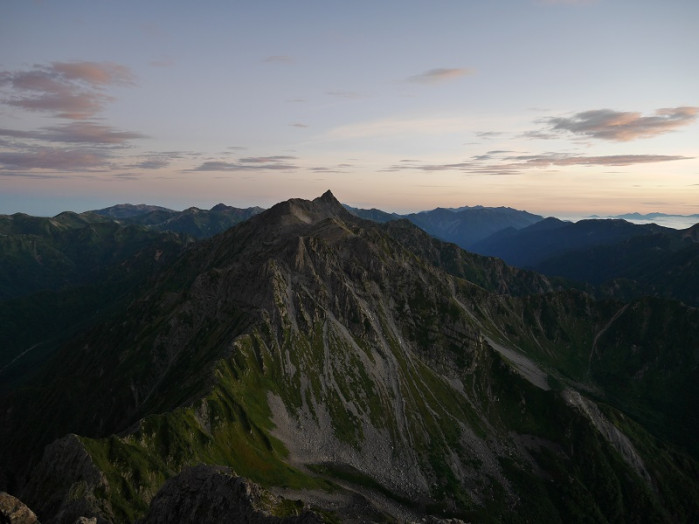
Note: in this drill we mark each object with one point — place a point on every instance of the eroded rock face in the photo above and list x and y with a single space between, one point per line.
62 486
204 494
14 511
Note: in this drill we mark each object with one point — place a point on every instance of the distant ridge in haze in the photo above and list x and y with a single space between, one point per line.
653 216
625 259
464 226
129 210
661 219
198 223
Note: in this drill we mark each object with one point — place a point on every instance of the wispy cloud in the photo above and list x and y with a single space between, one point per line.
31 174
392 127
216 165
16 133
264 163
492 155
126 176
80 132
323 169
150 163
94 73
76 91
606 124
266 159
54 159
505 163
88 132
439 75
40 158
606 160
489 134
73 90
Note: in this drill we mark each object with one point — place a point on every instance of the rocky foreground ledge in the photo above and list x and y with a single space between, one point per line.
14 511
198 494
215 494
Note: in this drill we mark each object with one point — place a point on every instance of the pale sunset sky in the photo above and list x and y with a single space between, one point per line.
558 107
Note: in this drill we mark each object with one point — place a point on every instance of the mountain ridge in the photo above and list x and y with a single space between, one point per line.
463 226
337 353
615 257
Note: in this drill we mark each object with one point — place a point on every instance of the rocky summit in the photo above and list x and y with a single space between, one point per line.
307 365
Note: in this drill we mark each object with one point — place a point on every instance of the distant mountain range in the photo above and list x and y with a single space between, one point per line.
661 219
654 216
199 223
463 226
466 226
621 258
309 365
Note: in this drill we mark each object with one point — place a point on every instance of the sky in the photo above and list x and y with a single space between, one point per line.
557 107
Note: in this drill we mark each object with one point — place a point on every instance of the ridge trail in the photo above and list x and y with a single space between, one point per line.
599 334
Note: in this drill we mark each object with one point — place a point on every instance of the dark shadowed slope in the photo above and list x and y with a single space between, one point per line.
622 259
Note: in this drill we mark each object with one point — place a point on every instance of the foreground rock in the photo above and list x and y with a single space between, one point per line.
13 511
215 494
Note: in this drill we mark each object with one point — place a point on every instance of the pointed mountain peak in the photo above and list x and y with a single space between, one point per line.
298 210
328 198
330 204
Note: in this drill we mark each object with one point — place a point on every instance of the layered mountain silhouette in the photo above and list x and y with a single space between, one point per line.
308 365
198 223
464 226
624 259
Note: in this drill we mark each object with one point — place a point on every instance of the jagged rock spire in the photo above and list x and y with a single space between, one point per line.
328 198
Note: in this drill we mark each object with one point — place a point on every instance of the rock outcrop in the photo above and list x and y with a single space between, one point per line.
14 511
63 484
205 494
